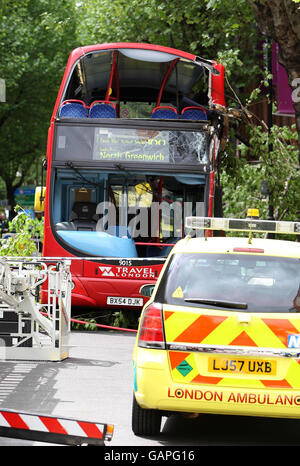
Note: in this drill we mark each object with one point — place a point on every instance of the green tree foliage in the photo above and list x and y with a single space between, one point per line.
221 30
273 180
26 232
35 39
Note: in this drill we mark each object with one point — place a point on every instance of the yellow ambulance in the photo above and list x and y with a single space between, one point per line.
221 330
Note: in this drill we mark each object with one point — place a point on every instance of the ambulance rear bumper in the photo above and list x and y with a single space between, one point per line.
155 389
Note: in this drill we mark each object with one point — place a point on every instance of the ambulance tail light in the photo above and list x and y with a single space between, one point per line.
151 333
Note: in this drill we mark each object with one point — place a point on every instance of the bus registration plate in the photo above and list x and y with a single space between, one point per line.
124 301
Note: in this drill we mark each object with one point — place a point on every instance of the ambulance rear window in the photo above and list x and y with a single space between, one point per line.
268 284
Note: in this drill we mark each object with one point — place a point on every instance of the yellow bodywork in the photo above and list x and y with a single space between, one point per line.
248 368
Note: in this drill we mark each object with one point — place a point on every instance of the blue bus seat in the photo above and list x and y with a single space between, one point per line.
164 112
193 113
73 109
102 109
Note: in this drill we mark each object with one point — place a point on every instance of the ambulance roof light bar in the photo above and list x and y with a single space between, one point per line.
247 225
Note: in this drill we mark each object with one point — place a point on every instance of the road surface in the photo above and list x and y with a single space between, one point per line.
95 384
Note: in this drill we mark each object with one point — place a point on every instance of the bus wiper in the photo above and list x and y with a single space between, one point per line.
70 165
218 302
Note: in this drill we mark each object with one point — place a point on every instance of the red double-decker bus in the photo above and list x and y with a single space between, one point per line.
132 149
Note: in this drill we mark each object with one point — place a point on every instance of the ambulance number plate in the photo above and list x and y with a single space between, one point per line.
238 365
122 301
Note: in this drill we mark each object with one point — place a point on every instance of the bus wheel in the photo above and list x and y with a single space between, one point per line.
145 421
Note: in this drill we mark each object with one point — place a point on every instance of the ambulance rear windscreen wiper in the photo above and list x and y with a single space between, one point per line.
218 302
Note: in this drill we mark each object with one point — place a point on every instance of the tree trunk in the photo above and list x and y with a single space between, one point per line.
280 20
10 193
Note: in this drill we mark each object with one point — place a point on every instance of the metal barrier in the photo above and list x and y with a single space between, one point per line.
57 430
30 330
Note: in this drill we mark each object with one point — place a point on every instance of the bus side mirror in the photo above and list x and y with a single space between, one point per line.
147 290
39 199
